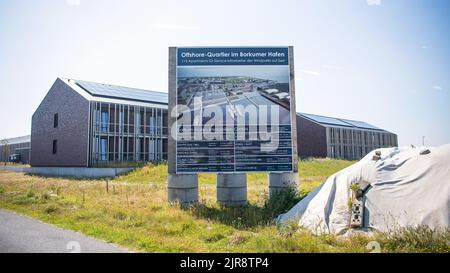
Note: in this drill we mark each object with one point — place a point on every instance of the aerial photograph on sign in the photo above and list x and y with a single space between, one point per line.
234 86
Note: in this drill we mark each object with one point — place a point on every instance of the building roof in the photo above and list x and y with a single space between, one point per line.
16 140
340 122
99 90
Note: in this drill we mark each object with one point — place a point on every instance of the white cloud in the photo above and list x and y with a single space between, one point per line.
424 47
174 27
309 72
437 87
373 2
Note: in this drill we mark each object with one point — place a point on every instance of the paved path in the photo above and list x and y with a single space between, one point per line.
21 234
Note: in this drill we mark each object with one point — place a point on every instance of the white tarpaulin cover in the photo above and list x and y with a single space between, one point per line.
409 187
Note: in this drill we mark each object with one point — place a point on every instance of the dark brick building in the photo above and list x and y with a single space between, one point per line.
84 124
320 136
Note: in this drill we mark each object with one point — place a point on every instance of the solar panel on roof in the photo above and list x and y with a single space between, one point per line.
327 120
361 124
341 122
111 91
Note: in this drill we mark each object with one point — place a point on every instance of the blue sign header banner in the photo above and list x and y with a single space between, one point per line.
198 56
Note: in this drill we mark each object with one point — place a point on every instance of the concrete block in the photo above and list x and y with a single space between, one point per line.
232 189
183 188
282 181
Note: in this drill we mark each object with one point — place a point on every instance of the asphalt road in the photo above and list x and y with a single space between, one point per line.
21 234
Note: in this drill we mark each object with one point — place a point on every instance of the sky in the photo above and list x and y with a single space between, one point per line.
385 62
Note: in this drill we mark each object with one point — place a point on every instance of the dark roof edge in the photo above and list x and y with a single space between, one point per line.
342 120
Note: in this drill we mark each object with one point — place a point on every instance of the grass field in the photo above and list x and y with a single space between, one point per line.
132 211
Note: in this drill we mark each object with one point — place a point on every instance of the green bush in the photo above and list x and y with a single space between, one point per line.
280 202
50 209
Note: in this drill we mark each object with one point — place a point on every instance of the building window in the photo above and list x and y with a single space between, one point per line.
104 121
103 149
55 146
55 121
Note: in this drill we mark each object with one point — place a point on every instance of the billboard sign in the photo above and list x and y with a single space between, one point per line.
234 110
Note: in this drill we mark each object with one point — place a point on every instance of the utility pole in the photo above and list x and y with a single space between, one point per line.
423 141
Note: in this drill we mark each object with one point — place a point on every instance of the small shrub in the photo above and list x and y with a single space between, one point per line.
280 202
354 187
2 190
50 209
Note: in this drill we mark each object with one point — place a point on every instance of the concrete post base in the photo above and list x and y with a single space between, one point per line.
282 181
232 189
183 188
